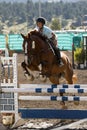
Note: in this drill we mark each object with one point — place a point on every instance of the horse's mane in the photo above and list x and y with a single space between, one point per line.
36 33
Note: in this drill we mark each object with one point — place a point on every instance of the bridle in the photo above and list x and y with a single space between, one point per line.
27 55
29 46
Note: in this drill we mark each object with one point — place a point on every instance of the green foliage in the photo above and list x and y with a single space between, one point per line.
21 12
55 24
79 55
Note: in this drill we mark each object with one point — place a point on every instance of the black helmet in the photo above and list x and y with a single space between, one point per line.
41 19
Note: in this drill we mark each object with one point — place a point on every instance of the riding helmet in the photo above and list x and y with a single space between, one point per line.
41 19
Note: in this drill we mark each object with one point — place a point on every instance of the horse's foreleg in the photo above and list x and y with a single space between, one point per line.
26 72
24 68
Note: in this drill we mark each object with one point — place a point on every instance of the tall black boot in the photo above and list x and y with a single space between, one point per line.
57 52
58 55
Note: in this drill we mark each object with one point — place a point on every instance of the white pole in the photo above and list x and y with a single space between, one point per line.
43 90
39 8
7 46
48 98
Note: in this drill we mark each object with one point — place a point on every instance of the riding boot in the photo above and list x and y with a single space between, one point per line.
57 52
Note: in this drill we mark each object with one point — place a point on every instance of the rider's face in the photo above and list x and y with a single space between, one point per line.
39 24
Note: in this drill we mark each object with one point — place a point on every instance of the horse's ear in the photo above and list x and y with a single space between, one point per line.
23 36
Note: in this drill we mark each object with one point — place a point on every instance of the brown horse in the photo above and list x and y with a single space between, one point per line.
38 51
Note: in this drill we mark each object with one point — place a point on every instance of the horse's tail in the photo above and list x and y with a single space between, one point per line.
74 78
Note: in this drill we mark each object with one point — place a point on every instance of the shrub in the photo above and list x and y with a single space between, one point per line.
79 55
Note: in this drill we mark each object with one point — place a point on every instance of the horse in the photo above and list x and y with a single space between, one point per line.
39 52
31 61
40 56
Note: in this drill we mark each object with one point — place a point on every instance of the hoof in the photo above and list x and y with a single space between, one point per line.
43 78
29 77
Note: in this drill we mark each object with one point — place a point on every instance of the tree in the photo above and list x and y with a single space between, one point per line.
55 24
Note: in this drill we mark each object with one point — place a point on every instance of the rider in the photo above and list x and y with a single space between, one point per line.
40 22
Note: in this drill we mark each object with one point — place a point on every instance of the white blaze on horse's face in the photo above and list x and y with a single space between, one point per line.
33 45
26 58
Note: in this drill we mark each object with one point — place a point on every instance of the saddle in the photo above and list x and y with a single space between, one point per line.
56 51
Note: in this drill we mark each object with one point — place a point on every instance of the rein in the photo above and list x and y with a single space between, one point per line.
48 48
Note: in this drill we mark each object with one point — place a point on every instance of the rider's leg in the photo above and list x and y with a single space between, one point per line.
57 52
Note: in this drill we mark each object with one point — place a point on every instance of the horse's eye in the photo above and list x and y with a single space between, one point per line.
33 44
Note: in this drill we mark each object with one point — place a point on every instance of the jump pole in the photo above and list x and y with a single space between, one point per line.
7 46
52 86
43 90
53 98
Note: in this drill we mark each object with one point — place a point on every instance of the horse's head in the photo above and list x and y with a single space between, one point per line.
31 40
34 46
31 47
27 45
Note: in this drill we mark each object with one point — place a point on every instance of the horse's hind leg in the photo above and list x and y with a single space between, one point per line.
69 74
55 80
69 79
